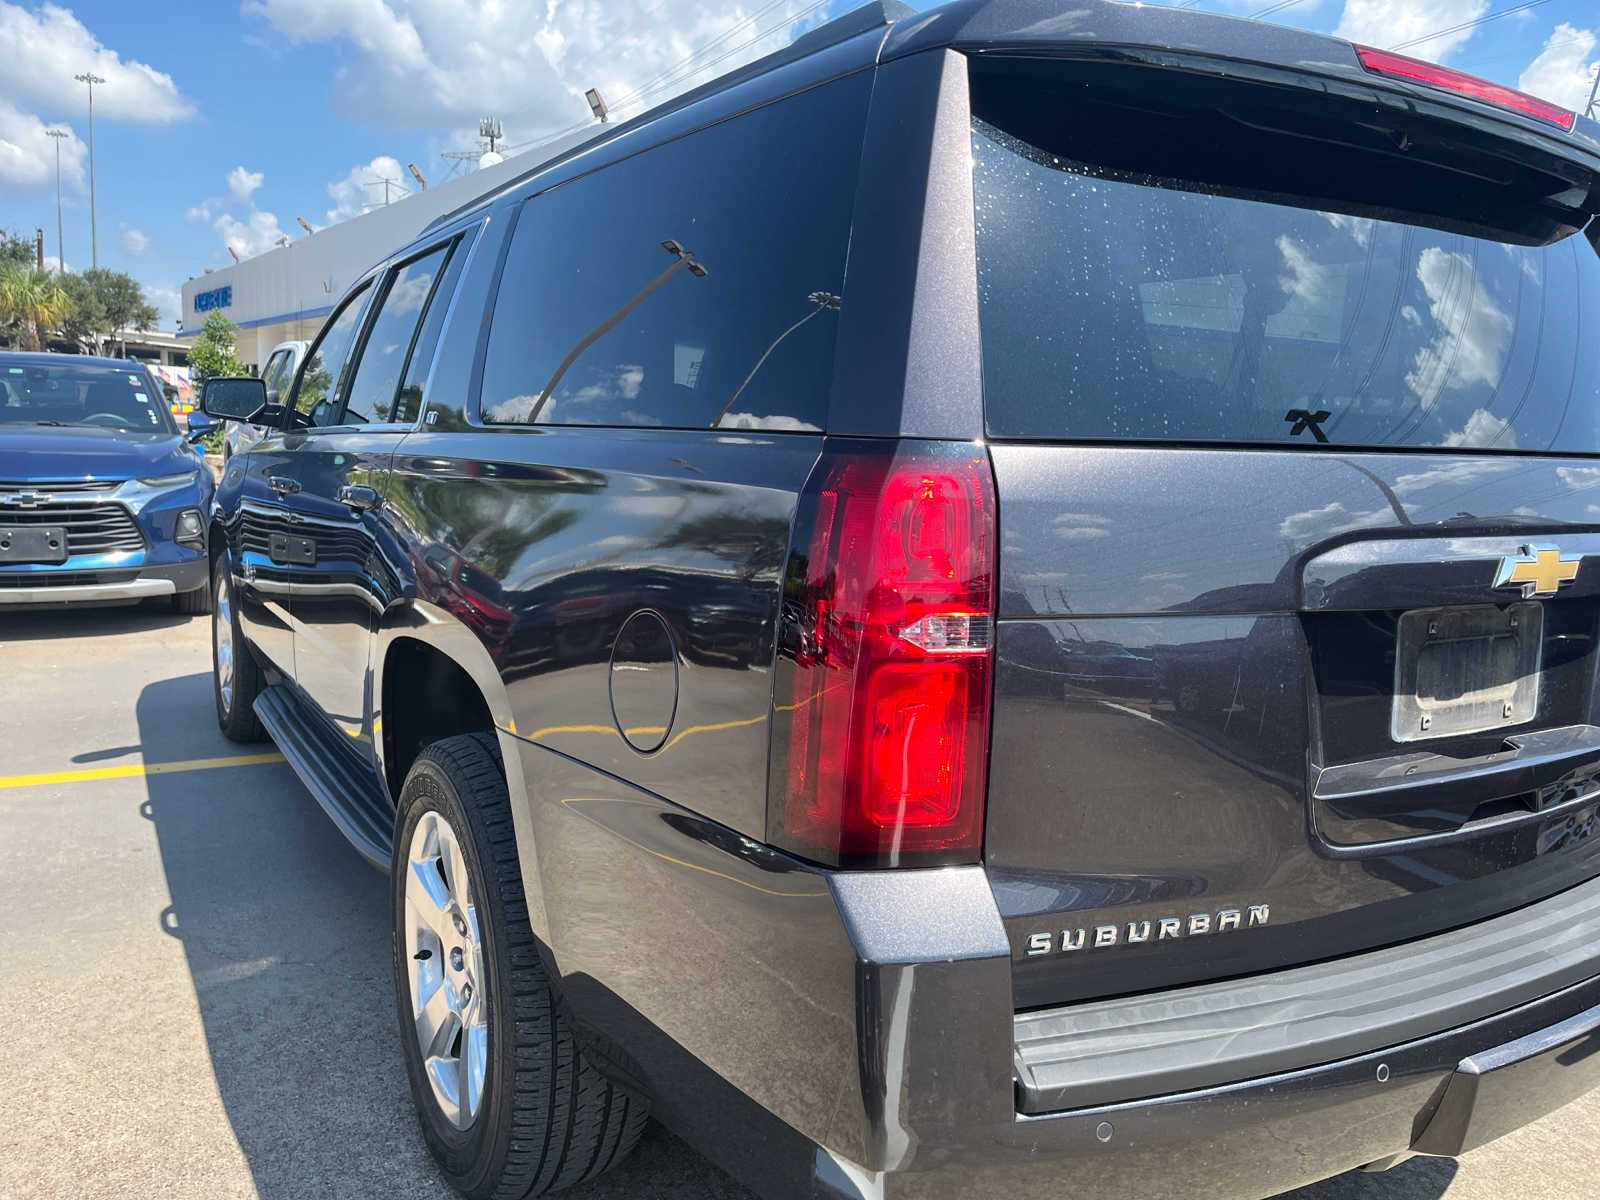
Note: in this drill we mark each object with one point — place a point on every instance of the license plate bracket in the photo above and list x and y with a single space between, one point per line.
1466 669
33 544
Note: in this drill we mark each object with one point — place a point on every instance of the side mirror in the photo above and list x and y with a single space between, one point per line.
201 427
170 392
233 399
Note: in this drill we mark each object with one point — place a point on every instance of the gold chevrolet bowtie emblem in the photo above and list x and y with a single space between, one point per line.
1538 570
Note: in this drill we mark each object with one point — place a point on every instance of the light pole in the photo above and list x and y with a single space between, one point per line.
61 254
91 79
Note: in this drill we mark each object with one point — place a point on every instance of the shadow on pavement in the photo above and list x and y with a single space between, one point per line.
39 624
1414 1179
286 935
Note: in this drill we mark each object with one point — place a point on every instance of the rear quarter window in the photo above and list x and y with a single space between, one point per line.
697 284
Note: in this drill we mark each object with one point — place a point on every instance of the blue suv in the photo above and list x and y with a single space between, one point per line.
101 497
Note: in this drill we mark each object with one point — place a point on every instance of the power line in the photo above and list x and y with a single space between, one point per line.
1472 24
699 52
663 84
1272 8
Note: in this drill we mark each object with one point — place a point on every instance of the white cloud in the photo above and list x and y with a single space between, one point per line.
200 213
43 50
1483 428
1317 523
1471 334
256 235
1579 477
1456 475
28 154
420 63
242 183
1563 72
354 194
135 241
1385 23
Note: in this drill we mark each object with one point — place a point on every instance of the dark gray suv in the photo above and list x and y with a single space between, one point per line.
997 603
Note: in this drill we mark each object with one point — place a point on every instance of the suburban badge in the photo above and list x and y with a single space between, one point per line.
1539 571
1132 933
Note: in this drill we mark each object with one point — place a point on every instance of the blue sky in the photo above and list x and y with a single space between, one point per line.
222 122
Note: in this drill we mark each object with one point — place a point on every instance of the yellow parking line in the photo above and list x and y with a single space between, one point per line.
133 770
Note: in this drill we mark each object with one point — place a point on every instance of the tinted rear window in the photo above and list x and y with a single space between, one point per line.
1116 306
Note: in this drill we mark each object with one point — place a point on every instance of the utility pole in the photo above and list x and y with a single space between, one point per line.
91 79
61 254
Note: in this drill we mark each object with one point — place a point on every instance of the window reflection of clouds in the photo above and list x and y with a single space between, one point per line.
1472 330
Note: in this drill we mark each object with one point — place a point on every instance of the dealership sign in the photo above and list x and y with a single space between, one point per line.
221 297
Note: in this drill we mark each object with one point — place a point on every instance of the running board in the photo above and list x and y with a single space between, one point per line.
345 788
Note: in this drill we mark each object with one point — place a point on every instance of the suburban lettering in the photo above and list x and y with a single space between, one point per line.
1158 929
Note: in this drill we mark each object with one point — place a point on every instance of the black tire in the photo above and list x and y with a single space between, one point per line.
235 716
548 1119
197 601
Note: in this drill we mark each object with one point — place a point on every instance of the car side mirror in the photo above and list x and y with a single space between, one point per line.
201 427
170 392
233 398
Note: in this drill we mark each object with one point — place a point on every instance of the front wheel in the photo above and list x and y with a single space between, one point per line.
235 674
509 1105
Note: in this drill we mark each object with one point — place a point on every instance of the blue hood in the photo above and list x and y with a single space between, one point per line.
45 453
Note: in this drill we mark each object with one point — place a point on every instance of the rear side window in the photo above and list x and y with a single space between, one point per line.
409 403
1123 306
376 385
697 284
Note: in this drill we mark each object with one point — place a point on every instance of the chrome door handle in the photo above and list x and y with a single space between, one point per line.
360 497
283 485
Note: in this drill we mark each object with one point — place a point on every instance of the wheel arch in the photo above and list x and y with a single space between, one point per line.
427 648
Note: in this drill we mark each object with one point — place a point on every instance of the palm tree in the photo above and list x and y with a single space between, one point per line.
33 301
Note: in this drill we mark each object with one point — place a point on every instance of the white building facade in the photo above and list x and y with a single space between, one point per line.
284 294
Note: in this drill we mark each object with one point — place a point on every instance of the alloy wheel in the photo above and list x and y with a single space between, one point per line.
449 1004
222 626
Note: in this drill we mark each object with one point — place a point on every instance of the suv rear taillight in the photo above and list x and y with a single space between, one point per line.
883 689
1386 62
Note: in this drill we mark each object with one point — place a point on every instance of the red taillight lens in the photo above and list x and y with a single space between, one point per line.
885 704
1383 62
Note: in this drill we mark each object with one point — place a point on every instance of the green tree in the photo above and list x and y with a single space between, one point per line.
31 301
212 354
106 304
15 248
84 325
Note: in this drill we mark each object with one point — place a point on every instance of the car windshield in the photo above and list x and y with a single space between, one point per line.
102 397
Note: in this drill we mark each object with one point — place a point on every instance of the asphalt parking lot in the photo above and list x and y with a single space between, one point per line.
197 990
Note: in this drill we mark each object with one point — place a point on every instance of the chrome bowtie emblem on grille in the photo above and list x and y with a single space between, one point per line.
1538 571
25 499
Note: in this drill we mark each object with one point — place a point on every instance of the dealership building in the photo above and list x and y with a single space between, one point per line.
284 294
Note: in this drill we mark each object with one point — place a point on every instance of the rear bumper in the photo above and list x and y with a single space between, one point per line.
1442 1095
107 586
853 1033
